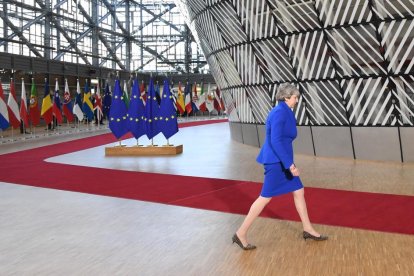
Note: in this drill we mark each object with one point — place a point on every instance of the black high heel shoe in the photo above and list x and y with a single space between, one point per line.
307 235
238 241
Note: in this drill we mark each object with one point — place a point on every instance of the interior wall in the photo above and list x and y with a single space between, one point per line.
362 143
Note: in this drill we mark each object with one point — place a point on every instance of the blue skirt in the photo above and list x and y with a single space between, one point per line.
278 181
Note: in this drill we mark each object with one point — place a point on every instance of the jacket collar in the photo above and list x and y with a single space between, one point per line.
284 104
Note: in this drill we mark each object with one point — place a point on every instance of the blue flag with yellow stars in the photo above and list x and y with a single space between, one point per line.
87 106
136 122
152 111
118 113
168 118
107 100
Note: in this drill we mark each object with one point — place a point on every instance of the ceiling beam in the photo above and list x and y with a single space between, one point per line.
113 13
65 34
154 15
19 34
169 8
155 55
101 37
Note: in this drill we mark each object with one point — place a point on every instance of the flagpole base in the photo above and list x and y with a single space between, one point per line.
143 151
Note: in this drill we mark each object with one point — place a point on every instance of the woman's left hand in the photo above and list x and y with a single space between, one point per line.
294 170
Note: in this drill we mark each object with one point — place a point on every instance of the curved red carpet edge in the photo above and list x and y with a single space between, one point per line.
372 211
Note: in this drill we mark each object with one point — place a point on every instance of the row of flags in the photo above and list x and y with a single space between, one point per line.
10 114
52 107
145 114
85 106
190 101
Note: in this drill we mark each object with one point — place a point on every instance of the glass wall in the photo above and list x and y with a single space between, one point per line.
142 35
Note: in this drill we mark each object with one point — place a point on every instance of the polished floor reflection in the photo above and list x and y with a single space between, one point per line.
52 232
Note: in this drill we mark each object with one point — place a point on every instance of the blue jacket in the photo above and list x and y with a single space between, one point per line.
280 133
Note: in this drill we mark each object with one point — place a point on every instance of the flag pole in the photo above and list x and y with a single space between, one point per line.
120 143
24 130
97 109
168 143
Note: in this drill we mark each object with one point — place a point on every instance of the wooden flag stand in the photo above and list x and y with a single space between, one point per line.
143 151
138 150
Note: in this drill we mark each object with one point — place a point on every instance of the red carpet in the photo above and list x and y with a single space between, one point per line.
373 211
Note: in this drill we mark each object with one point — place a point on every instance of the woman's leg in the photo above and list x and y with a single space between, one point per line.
254 212
300 203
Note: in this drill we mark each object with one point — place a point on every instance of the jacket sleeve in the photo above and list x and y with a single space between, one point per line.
276 138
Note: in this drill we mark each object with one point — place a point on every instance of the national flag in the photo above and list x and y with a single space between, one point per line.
188 99
13 107
4 113
97 105
174 96
125 95
57 109
67 103
143 93
223 107
202 99
218 102
152 112
34 114
168 118
157 93
87 106
107 100
209 100
24 114
194 104
118 113
47 110
180 100
136 112
77 107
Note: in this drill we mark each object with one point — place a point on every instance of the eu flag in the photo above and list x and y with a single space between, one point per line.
136 122
118 113
152 112
107 100
168 118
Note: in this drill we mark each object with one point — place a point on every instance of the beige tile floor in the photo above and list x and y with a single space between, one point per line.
52 232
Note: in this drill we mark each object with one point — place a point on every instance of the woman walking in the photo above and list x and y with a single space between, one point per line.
281 175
